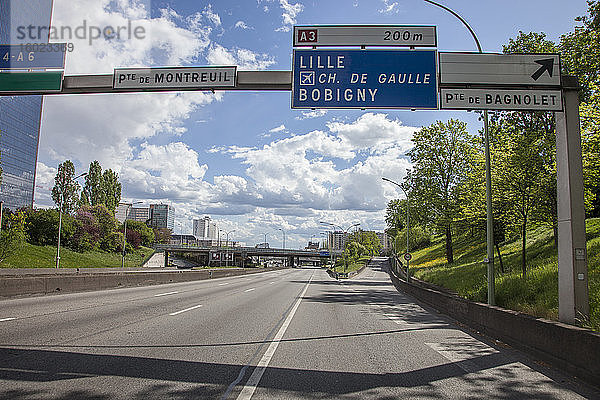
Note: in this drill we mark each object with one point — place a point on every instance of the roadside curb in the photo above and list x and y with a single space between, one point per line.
82 282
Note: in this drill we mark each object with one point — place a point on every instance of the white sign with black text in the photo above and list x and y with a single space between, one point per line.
506 100
174 78
365 35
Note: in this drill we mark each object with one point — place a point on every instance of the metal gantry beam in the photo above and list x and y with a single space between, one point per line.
93 84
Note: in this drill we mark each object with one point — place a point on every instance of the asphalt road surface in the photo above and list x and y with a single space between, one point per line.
288 334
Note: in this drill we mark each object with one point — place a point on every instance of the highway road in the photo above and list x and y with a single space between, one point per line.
287 334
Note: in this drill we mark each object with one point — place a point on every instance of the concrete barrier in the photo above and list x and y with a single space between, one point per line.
20 285
570 348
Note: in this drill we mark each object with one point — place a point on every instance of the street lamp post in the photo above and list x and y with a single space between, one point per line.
488 178
227 248
407 225
62 199
283 236
129 205
220 249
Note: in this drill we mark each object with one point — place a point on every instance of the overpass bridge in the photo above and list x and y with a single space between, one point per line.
240 256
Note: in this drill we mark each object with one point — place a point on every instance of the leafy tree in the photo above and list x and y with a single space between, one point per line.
66 189
145 232
580 56
88 231
527 155
111 190
92 189
41 227
395 215
440 158
590 146
113 242
12 236
134 238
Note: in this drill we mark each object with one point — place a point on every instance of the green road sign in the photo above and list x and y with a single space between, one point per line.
30 81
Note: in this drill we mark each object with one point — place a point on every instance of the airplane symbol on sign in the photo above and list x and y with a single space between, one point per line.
307 78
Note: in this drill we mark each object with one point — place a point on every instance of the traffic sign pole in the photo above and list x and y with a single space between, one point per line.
573 292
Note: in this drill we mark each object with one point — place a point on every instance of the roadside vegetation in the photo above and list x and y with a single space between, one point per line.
90 236
447 197
358 250
32 256
536 295
354 265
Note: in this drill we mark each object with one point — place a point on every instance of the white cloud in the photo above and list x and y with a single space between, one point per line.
311 114
242 25
290 11
302 171
212 16
389 7
280 128
243 58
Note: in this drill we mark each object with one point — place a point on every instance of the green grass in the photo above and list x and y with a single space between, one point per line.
537 294
30 256
353 266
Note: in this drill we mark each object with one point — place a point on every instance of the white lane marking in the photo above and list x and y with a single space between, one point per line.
165 294
7 319
271 283
187 309
249 290
223 284
248 390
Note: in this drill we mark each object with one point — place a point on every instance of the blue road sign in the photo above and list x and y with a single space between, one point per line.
33 56
364 79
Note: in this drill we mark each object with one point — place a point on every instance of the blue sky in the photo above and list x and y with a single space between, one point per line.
246 158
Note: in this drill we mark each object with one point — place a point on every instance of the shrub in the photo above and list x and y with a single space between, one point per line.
41 227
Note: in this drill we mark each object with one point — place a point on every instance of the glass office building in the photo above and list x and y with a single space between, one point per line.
162 216
20 116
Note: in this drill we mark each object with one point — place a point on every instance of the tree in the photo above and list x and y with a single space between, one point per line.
66 189
580 56
41 227
88 231
145 232
395 215
12 236
527 145
111 190
92 189
440 163
580 51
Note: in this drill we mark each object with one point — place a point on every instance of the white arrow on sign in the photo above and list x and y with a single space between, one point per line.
500 69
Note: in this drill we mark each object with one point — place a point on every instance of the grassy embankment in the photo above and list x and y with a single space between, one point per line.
536 295
30 256
352 266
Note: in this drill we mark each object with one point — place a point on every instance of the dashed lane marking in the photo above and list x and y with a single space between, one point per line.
165 294
187 309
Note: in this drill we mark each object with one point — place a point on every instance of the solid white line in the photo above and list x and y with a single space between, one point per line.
248 390
7 319
249 290
223 284
165 294
187 309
